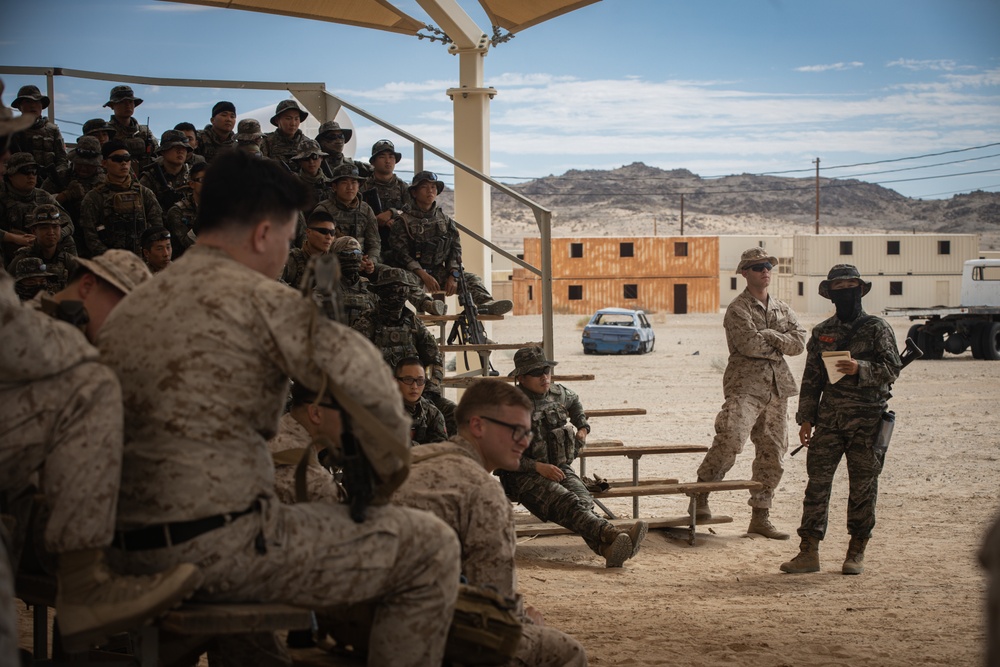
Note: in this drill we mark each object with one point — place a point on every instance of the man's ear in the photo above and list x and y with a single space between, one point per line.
86 285
261 234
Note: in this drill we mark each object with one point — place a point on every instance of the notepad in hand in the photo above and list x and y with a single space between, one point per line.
830 360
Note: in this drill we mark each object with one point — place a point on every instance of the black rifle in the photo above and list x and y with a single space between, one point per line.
320 284
467 329
371 198
910 354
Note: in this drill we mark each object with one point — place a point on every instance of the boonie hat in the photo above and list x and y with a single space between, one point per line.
172 138
120 94
391 275
346 170
285 105
30 93
307 149
384 145
31 267
151 235
87 151
422 176
248 129
755 256
528 359
334 126
95 125
121 268
20 161
843 272
43 214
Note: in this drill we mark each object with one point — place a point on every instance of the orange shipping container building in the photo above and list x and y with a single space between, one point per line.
666 274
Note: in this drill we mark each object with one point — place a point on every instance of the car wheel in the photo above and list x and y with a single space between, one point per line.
652 344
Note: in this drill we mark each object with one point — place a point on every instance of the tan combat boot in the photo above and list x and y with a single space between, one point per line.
636 534
700 503
93 602
617 551
855 561
807 560
433 307
760 523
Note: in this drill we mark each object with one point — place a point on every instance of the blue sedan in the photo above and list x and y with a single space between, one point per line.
618 331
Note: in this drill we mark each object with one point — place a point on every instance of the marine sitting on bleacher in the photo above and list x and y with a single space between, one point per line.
545 483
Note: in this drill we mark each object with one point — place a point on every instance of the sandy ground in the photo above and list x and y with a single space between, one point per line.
724 601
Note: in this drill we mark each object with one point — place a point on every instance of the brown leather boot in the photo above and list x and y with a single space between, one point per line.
760 523
617 551
636 534
855 561
701 508
93 602
807 559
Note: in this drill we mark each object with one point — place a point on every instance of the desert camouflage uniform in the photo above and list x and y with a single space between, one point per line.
357 220
180 221
45 142
15 208
846 417
209 144
429 240
62 265
277 146
428 423
567 503
141 143
170 188
293 437
114 216
456 488
756 385
199 408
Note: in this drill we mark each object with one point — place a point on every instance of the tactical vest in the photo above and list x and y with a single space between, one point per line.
277 147
44 141
62 265
295 267
428 239
139 141
396 340
356 300
166 187
123 217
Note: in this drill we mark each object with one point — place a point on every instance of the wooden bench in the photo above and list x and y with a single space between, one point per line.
615 412
463 381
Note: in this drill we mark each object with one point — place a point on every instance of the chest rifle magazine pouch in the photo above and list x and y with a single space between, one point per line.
887 422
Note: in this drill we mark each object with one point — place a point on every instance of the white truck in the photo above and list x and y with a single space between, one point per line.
975 324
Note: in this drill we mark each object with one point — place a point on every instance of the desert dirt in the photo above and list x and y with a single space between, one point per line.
724 600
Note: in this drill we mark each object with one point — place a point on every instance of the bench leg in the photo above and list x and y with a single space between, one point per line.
693 523
635 482
40 631
606 510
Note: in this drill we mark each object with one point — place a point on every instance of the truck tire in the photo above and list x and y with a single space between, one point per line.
932 345
914 333
990 341
976 337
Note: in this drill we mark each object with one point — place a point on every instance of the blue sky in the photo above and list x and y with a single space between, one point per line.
718 87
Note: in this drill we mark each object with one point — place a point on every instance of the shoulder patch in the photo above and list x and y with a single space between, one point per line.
827 339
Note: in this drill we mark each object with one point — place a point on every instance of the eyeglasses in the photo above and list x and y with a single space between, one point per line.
517 432
28 171
324 231
539 372
766 266
120 158
409 382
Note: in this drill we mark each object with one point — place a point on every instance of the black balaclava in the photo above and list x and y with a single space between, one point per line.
350 264
848 303
392 300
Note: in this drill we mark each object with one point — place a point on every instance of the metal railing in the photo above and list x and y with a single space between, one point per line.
318 100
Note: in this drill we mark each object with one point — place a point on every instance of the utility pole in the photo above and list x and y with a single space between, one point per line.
682 214
654 225
816 162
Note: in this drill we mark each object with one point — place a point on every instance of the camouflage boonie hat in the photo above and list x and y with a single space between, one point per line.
422 176
391 275
121 268
9 124
528 359
248 129
346 170
30 93
285 105
172 138
87 151
44 214
307 149
346 244
95 125
120 94
31 267
386 146
334 126
755 256
20 161
843 272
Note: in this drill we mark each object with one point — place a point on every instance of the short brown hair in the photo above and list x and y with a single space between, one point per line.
489 393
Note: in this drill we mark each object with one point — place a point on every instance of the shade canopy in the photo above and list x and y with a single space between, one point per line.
516 15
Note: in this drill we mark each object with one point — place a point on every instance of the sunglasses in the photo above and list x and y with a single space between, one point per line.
766 266
333 137
517 431
120 158
409 382
539 372
324 231
28 171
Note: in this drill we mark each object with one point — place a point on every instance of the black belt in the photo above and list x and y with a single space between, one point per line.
168 534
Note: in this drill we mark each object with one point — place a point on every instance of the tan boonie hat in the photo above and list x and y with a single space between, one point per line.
121 268
8 123
755 256
43 214
528 359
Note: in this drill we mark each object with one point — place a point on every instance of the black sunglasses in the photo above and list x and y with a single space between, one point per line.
120 158
516 430
324 231
539 372
28 171
766 266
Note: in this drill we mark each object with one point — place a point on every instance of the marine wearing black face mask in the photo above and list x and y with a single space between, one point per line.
848 302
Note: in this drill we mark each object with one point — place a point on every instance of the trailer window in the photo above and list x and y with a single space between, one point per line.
895 287
575 292
631 292
576 250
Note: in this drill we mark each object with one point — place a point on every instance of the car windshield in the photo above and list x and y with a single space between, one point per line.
613 319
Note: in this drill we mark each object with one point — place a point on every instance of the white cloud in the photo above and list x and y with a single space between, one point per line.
837 67
919 65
